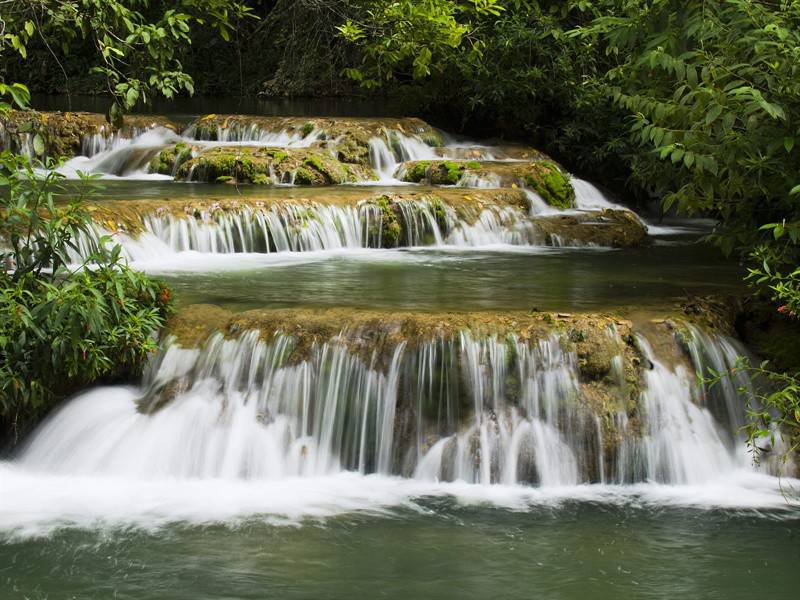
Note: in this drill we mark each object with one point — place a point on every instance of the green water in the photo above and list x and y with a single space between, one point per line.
654 278
437 549
578 551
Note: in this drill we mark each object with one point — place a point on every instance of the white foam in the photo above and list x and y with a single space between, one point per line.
34 505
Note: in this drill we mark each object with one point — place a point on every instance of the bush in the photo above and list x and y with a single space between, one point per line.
63 326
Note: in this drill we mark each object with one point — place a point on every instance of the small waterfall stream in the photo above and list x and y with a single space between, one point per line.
313 227
468 408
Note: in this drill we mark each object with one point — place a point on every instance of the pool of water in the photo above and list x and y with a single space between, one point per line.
544 279
437 549
76 534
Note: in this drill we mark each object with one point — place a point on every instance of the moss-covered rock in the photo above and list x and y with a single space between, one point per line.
437 172
542 176
346 138
56 134
551 183
168 160
606 228
61 134
260 165
391 228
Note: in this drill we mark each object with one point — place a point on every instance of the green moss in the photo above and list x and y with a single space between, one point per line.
418 171
307 129
262 179
444 172
316 162
433 139
354 150
473 164
279 156
303 176
391 229
167 161
547 180
452 172
439 212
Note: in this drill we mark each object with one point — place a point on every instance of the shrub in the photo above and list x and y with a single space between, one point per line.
63 326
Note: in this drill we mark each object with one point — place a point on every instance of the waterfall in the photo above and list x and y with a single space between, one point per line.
496 226
121 156
382 160
252 134
465 407
589 197
682 442
311 227
389 151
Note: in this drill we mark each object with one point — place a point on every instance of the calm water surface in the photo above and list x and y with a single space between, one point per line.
440 551
545 279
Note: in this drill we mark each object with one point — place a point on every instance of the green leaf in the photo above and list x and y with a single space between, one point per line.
38 145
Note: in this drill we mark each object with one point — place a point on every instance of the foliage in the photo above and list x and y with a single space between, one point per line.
63 327
773 409
501 68
135 42
713 92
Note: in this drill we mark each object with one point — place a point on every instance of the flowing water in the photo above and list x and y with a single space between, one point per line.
356 458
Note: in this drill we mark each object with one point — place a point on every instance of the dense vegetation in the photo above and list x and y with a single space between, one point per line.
63 327
692 103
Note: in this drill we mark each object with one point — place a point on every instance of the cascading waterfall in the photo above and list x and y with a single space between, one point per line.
500 225
103 141
388 152
121 156
252 134
312 227
479 409
128 154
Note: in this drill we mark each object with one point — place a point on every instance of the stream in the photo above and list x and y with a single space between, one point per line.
398 390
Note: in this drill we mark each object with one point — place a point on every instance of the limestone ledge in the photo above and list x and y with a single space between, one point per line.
61 133
608 228
541 175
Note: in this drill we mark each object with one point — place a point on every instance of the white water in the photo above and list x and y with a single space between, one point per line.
245 431
123 157
314 227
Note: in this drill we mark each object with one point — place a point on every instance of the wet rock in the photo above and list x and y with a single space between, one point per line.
607 228
61 134
542 176
260 165
192 325
127 215
346 138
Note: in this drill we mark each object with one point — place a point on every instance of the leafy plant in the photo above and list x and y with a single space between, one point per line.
135 42
773 408
63 325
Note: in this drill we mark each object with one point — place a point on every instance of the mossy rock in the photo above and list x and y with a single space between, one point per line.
56 134
166 161
437 172
552 185
542 176
347 138
258 165
606 228
61 134
391 228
